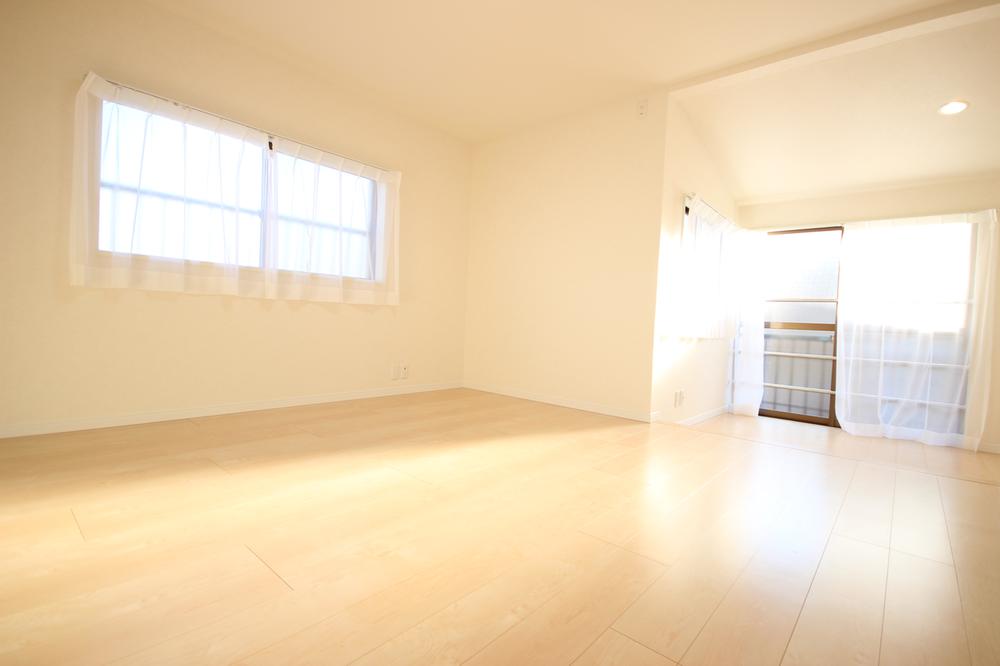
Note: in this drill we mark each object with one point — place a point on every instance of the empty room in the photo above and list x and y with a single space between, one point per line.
497 332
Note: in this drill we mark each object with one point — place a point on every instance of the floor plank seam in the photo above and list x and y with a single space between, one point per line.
130 657
895 466
680 504
412 476
920 557
888 562
733 584
502 634
819 562
507 630
951 549
611 626
431 614
521 621
264 562
590 644
722 599
624 548
78 527
219 465
319 621
869 543
653 650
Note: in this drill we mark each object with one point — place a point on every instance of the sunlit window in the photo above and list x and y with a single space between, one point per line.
911 278
702 309
174 190
324 219
907 328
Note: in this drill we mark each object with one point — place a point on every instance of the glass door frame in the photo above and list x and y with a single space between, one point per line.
830 420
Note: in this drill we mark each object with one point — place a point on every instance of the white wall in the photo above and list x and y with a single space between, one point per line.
699 368
73 357
910 201
562 260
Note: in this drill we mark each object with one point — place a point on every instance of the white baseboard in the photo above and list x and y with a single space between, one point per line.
990 447
704 416
632 415
42 428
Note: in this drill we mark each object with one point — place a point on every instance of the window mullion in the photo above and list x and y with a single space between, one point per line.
266 205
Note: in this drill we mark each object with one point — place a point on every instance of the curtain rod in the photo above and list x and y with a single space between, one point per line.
690 197
270 135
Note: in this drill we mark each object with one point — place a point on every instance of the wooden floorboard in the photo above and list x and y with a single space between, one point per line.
465 527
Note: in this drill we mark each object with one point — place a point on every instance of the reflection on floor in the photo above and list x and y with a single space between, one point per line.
461 526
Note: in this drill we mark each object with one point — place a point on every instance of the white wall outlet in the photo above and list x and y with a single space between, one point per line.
678 398
642 108
404 370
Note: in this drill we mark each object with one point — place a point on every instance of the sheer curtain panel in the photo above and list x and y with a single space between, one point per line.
704 301
746 305
169 198
915 328
719 297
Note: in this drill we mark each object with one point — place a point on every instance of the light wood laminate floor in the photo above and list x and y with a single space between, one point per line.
466 527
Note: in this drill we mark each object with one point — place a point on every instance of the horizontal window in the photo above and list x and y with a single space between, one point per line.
325 218
168 197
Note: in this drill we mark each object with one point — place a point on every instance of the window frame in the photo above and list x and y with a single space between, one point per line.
92 266
831 418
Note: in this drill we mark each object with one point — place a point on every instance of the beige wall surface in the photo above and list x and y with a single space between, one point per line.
698 368
562 260
71 357
910 201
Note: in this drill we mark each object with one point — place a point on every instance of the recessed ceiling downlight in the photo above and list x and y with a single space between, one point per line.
953 107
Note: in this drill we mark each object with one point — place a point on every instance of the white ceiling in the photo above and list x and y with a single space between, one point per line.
478 68
861 120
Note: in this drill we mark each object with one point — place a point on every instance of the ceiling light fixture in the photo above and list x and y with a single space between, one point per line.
953 107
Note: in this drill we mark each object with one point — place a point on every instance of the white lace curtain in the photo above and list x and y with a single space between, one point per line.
169 198
914 328
746 304
704 301
720 298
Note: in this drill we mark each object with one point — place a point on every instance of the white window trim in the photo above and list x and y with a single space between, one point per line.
91 267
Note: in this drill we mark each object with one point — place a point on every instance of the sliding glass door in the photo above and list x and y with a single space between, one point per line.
802 270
